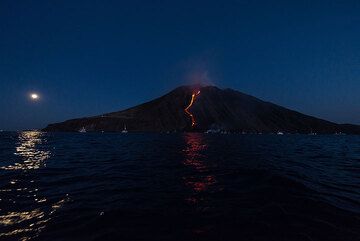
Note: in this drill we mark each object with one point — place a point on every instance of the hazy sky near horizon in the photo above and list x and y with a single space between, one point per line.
90 57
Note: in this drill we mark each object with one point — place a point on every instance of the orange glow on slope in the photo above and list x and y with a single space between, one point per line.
193 98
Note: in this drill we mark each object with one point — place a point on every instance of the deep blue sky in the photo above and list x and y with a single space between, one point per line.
91 57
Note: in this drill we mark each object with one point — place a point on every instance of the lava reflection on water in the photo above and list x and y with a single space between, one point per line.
202 180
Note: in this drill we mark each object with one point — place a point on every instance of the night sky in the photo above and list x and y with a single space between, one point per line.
90 57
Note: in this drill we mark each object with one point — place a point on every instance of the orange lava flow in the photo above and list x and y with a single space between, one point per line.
193 98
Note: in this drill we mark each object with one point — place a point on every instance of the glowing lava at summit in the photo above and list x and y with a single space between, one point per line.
193 98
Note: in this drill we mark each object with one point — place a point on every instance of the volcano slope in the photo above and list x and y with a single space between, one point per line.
212 108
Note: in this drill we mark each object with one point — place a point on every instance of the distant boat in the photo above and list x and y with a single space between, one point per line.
212 131
340 133
82 130
280 133
124 130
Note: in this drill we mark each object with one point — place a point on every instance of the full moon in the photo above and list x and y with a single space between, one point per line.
34 96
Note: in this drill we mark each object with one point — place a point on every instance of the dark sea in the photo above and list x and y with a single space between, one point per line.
192 186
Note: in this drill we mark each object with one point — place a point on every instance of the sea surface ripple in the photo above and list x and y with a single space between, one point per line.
188 186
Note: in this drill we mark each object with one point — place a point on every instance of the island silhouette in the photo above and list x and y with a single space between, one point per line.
205 108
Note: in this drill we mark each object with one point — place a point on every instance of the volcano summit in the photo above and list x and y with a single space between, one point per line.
199 108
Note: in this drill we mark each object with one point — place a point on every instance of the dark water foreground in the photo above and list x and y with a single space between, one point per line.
179 187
